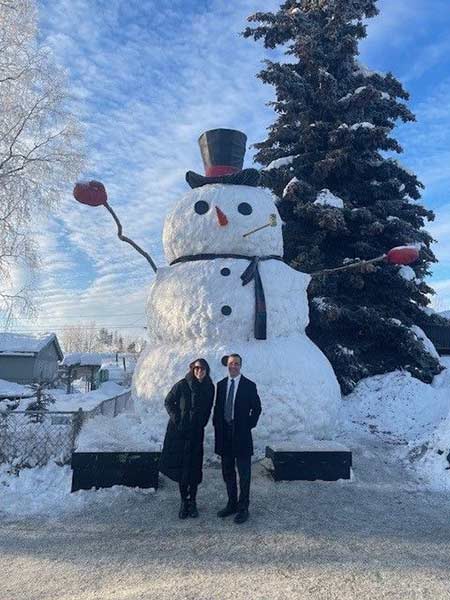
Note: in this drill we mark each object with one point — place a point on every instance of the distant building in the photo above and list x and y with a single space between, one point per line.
81 365
25 359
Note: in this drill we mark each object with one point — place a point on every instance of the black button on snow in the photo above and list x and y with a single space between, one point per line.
225 271
201 207
226 310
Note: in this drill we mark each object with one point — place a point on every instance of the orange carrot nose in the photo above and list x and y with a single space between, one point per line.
221 217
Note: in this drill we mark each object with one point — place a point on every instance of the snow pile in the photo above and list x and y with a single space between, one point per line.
397 406
326 198
9 389
428 454
406 413
45 491
124 433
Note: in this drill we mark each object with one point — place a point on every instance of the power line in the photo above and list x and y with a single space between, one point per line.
69 327
99 316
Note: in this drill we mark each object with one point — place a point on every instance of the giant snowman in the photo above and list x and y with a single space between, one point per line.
229 291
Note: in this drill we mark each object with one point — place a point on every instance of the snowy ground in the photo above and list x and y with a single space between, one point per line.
385 534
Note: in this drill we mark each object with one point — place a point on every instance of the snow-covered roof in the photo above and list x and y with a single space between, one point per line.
82 359
14 344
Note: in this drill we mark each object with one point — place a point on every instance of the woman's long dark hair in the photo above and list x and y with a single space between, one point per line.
203 362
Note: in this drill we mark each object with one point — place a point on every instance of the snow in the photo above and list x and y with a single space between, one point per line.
346 97
13 343
87 401
9 389
427 310
82 359
397 406
293 181
326 198
427 343
350 94
124 433
407 273
186 232
363 125
363 70
280 162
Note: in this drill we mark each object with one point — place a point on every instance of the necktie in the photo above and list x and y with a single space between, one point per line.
229 403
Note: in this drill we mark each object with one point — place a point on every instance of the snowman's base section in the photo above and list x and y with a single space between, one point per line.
327 462
105 469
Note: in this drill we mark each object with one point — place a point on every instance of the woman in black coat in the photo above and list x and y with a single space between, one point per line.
189 405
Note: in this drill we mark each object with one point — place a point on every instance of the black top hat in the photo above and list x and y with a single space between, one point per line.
223 152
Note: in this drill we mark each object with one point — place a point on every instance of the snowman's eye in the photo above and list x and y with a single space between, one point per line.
245 209
201 207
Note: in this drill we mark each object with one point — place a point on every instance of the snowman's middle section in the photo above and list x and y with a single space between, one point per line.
206 299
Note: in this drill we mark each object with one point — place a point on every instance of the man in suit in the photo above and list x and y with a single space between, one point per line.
236 412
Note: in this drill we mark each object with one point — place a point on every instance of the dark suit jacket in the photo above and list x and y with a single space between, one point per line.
247 408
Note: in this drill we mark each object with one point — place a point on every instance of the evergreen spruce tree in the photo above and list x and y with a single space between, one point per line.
329 157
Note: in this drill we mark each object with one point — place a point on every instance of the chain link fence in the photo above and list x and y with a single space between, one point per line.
30 438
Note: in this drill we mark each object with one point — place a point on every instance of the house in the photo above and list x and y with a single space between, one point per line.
26 359
81 365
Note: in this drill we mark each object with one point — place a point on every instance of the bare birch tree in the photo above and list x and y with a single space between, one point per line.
39 143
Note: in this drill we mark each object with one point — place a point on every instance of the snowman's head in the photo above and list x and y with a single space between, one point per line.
213 219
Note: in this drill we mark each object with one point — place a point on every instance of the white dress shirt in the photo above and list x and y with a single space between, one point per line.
236 383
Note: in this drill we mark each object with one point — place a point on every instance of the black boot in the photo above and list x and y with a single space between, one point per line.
229 509
193 511
184 510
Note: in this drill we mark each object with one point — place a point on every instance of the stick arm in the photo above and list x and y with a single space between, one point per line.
128 240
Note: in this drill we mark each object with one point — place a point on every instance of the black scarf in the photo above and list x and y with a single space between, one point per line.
250 273
200 390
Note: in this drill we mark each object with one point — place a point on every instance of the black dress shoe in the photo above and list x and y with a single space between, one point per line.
227 511
193 511
241 516
183 513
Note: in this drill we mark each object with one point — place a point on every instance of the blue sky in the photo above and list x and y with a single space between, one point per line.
146 78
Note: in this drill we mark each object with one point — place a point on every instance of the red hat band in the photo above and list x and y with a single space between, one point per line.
220 170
